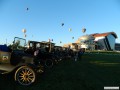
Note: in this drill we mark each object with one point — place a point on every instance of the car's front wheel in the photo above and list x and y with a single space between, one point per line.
25 75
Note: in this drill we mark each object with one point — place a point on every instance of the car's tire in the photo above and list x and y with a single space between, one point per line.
25 75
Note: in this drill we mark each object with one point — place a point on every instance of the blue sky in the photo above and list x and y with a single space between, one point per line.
43 19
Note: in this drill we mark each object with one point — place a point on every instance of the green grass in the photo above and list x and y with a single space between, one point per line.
93 72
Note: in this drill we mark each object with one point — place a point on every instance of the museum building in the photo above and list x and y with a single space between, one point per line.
96 41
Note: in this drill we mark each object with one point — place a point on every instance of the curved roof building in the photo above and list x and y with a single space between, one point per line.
106 40
97 41
102 41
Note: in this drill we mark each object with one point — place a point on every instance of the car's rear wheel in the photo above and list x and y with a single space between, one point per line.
25 75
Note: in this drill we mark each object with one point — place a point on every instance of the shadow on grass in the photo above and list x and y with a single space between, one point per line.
93 72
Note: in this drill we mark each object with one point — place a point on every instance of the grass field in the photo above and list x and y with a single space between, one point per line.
93 72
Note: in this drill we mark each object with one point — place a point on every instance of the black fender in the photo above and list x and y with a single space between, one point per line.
33 66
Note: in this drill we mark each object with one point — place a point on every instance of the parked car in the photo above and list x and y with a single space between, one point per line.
42 52
15 60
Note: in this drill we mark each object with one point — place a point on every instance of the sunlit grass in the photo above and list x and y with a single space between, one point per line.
105 64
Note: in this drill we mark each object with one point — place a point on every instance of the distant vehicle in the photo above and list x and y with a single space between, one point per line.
16 60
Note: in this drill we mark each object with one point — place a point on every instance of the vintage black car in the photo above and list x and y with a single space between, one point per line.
42 52
14 59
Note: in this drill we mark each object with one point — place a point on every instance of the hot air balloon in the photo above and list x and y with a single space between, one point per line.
84 30
27 9
24 30
62 24
60 41
70 29
72 37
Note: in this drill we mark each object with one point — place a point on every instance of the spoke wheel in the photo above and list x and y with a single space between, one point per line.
25 75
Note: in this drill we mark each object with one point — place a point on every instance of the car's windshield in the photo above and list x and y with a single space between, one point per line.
19 43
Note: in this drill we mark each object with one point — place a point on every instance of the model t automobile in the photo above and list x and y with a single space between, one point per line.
15 60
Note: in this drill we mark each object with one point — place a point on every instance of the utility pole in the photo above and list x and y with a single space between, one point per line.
6 41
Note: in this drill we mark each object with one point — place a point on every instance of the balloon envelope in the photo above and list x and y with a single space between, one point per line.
70 29
24 30
62 24
27 8
84 30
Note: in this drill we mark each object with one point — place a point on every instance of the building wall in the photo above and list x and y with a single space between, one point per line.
98 38
111 40
117 46
106 42
101 43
